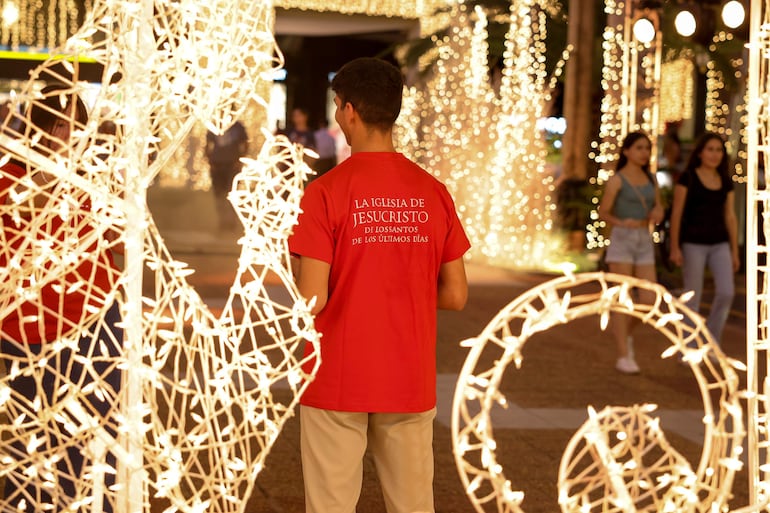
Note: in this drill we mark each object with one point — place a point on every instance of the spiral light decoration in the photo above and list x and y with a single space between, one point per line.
607 465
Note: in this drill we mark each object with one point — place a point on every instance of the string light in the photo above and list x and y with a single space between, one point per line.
605 465
677 89
397 8
630 72
717 111
41 25
182 343
478 132
195 416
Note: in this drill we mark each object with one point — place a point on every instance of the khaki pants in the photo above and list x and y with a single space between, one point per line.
333 444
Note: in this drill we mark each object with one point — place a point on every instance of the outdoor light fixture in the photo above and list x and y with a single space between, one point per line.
733 14
644 30
685 23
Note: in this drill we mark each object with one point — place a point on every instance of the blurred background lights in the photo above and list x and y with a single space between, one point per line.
685 23
467 123
10 14
644 30
552 124
733 14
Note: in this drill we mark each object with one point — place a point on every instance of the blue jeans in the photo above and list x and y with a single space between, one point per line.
63 367
719 260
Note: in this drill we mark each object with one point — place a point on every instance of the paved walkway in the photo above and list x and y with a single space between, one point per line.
565 369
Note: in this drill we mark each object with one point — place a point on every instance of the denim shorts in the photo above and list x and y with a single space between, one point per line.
630 246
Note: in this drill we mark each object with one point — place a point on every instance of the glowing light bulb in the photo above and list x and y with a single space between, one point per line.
644 30
10 14
685 23
733 14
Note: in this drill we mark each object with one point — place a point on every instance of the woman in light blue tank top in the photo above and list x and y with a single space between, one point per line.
630 204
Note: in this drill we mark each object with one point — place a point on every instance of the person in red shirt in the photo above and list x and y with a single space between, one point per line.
59 337
379 248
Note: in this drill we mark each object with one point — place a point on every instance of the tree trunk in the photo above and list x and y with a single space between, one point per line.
578 90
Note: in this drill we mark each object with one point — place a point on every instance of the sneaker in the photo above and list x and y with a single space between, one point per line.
627 365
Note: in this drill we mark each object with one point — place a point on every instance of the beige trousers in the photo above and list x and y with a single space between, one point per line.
333 444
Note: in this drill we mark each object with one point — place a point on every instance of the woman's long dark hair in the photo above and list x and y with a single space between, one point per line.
694 161
53 106
629 141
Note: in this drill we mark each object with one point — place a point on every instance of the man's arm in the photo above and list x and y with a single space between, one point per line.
312 280
452 285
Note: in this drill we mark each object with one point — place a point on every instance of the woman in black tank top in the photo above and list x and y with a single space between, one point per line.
704 229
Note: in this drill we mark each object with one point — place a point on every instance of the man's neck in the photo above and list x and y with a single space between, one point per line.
374 141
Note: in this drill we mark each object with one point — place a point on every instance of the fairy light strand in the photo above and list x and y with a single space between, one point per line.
478 132
631 84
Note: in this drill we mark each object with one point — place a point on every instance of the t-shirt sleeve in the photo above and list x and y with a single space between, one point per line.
9 178
313 235
456 243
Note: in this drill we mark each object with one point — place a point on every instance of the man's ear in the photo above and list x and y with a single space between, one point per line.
349 112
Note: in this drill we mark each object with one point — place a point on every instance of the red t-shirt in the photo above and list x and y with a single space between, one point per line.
74 296
385 225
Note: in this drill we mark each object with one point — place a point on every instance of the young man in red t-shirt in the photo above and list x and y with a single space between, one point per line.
380 248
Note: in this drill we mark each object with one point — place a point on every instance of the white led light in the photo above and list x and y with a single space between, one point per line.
685 23
733 14
644 30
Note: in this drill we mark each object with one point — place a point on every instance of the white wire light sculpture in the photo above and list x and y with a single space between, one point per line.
757 251
192 415
603 469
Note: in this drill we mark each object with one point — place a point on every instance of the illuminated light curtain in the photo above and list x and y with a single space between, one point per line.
677 89
191 425
480 136
40 25
397 8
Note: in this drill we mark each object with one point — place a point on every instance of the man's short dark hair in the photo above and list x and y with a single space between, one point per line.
374 87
